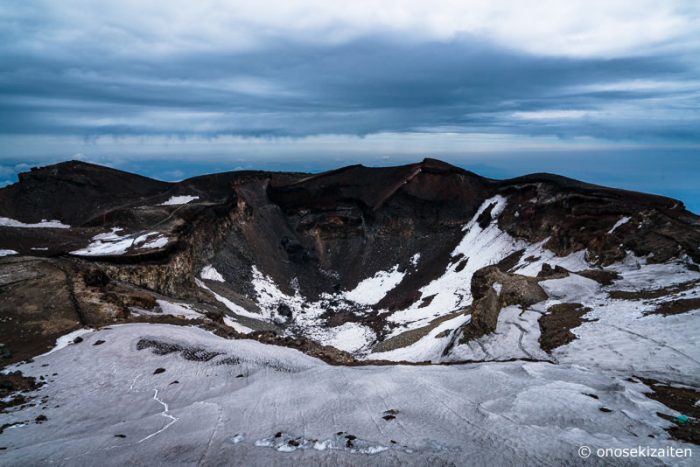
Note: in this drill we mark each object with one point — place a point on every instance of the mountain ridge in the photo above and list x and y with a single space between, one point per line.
319 236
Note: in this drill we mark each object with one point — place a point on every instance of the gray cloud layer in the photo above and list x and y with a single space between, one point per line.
370 82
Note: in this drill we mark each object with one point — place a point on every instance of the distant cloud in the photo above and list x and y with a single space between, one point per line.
553 114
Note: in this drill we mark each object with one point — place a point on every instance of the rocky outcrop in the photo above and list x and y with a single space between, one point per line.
549 272
43 299
492 290
573 216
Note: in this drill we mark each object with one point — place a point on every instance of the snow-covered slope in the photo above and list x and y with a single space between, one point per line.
240 402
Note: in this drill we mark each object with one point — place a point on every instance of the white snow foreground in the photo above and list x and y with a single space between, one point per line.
242 402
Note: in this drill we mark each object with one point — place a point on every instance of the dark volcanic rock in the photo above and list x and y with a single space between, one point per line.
336 228
675 307
195 354
556 325
601 276
488 301
43 299
74 192
284 310
576 215
549 272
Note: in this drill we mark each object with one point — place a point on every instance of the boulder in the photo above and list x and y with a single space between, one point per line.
493 289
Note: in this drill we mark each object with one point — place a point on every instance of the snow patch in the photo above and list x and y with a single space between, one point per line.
427 348
371 290
283 442
8 252
307 317
238 327
623 220
571 289
517 336
350 337
180 310
113 244
44 224
177 200
237 309
621 335
159 242
208 272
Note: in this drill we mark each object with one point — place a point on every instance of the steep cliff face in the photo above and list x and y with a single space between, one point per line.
330 231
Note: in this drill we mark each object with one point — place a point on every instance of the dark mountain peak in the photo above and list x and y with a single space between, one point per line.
80 171
73 191
438 165
428 180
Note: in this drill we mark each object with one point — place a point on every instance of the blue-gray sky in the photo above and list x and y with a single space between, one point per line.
607 91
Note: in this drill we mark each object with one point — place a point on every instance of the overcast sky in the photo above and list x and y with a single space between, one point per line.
608 91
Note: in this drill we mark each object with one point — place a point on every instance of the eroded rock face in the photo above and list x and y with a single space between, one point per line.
43 299
494 289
